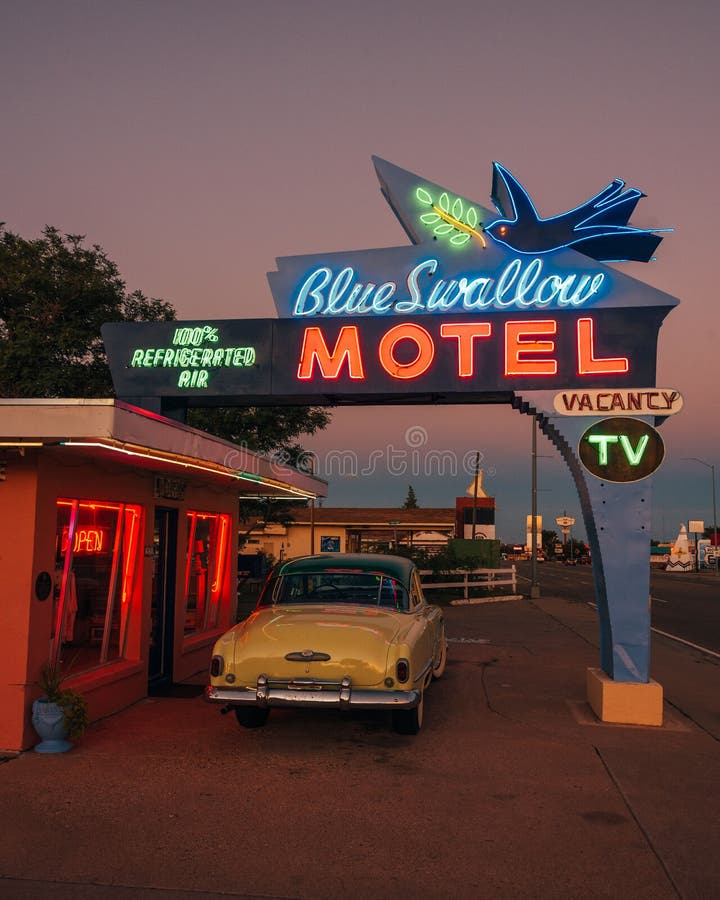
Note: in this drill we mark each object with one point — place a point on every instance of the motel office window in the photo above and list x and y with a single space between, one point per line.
207 549
96 552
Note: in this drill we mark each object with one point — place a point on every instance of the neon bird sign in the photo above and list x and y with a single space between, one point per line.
599 227
466 257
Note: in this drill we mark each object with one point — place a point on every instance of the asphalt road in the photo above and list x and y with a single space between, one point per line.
512 789
685 606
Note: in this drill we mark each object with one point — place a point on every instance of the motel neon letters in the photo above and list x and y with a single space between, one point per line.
407 351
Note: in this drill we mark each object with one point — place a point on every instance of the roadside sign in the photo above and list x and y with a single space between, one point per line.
565 521
621 449
629 402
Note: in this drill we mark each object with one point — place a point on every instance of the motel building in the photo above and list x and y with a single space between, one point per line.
118 550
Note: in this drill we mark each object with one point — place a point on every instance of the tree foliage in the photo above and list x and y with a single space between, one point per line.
264 429
55 293
411 499
549 540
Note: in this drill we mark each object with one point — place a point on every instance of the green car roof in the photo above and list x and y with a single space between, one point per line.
396 567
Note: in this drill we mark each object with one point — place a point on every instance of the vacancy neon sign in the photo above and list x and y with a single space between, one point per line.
407 351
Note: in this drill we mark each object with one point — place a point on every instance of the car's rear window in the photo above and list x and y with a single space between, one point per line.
365 588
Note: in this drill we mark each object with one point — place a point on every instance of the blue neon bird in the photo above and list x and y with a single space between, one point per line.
598 228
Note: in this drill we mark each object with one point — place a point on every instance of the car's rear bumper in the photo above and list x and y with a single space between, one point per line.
340 695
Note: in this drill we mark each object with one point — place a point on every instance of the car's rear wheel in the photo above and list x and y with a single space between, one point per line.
409 721
439 669
251 716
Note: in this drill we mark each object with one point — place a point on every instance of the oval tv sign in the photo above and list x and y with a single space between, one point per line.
621 449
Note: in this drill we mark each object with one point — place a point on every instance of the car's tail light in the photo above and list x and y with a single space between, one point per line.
403 670
217 664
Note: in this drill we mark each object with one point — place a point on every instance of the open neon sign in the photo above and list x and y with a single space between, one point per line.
87 541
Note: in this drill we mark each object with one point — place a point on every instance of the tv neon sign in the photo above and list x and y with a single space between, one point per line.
527 348
518 285
621 449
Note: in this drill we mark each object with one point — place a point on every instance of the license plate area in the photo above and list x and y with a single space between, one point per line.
302 684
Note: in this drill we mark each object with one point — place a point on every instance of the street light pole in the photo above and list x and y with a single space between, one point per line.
710 466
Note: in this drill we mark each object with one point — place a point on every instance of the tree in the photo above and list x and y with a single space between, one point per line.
55 293
549 539
411 499
256 514
264 429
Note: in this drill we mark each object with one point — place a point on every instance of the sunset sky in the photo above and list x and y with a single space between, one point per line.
196 142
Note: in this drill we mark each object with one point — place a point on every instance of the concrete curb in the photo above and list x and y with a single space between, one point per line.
472 601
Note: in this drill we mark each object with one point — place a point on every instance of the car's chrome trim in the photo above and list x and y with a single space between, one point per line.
424 672
307 656
312 693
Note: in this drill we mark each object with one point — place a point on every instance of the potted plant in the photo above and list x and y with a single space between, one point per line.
59 714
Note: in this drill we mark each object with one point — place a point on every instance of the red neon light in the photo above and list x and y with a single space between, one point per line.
466 332
216 586
588 364
191 519
87 541
130 554
315 349
91 504
516 347
425 351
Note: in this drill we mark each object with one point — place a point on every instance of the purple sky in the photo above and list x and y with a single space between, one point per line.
198 141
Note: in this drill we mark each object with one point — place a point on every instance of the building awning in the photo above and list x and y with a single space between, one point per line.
111 428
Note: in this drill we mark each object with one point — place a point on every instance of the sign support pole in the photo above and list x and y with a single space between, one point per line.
534 586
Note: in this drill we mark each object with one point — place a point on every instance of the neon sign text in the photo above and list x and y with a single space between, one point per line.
86 541
193 360
520 284
314 349
186 357
621 449
651 401
633 454
527 350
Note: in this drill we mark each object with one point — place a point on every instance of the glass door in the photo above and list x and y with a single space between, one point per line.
163 599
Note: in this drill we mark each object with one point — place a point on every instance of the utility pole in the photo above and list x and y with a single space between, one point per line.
475 490
312 512
534 586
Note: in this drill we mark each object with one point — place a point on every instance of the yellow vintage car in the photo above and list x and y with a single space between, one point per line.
346 631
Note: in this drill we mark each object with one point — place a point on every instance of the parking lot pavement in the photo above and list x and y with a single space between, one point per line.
512 789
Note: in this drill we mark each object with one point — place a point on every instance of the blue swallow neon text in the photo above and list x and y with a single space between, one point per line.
521 285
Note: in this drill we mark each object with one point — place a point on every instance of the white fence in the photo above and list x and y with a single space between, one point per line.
481 578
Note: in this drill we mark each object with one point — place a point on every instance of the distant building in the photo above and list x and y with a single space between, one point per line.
477 507
484 518
352 530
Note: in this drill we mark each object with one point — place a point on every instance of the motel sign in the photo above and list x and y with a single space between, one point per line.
484 305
